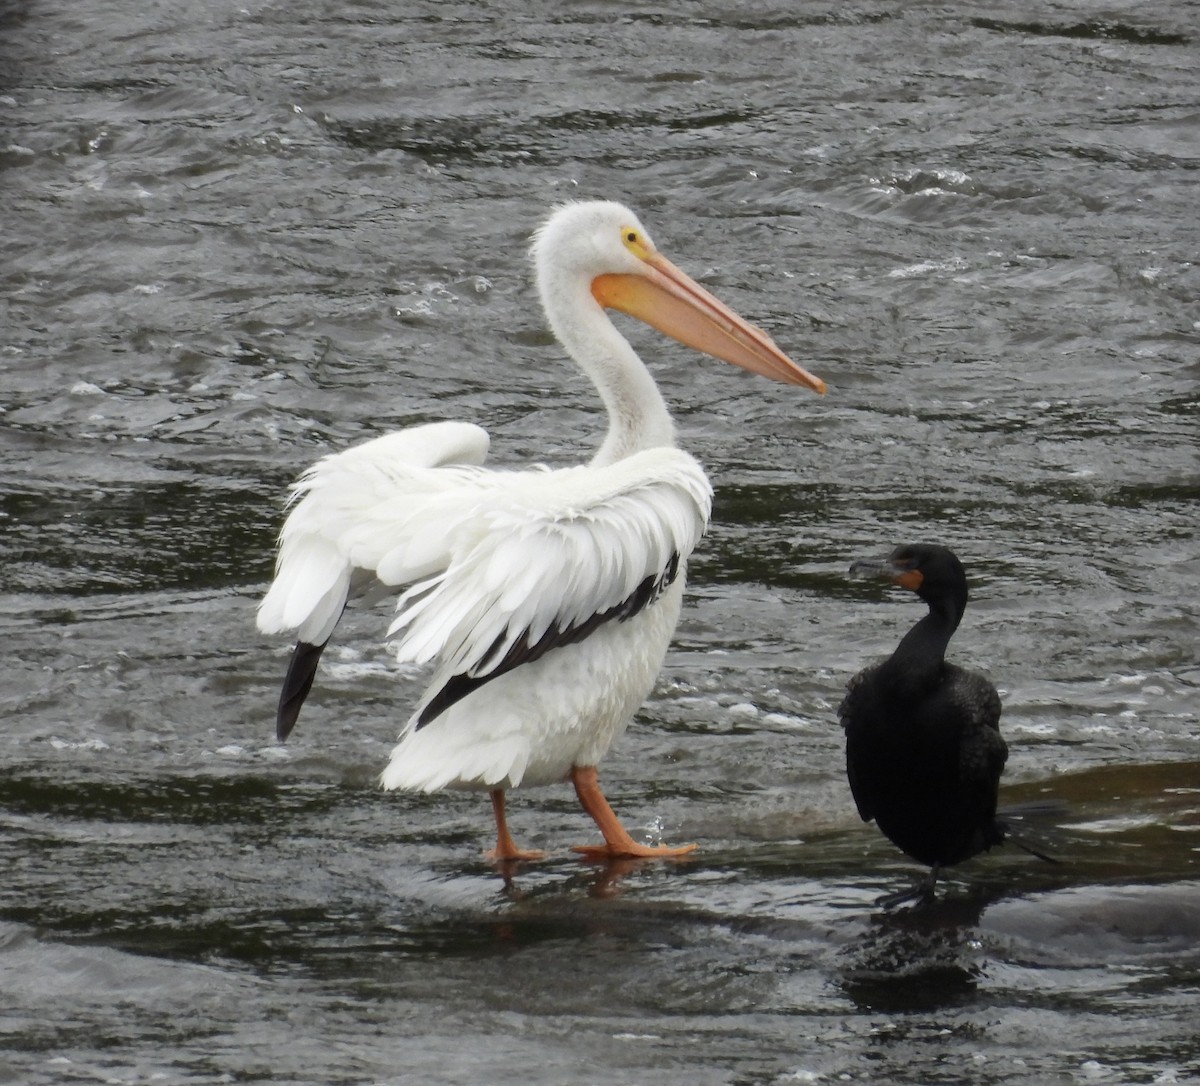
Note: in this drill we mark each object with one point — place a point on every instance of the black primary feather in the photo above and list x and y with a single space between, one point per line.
523 651
302 669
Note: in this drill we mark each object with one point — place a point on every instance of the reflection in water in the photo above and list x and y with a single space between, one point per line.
920 958
1120 830
238 236
602 878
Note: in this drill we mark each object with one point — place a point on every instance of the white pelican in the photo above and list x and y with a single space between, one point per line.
544 599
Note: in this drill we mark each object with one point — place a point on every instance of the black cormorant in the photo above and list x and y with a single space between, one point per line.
923 747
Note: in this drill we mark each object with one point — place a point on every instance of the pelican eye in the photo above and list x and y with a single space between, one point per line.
634 242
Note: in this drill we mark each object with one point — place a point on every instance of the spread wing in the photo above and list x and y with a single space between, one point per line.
492 568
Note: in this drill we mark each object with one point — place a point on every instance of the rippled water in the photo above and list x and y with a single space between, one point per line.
237 236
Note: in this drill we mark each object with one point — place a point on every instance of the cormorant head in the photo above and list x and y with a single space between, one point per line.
931 571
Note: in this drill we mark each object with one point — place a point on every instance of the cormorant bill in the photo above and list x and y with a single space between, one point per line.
923 747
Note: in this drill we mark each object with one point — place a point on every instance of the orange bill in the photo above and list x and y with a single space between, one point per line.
671 301
896 572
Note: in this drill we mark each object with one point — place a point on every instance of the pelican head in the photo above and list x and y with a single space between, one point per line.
600 248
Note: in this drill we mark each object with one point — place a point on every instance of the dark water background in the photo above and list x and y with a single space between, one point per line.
238 234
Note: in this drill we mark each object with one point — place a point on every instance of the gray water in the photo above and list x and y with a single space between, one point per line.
239 235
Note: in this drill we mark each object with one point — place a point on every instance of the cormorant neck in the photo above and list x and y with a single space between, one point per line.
919 658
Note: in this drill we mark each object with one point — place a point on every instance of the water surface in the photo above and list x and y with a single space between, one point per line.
239 236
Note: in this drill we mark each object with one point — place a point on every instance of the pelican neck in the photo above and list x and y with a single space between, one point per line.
638 417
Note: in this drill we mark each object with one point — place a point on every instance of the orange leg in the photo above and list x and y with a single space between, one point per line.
506 847
617 842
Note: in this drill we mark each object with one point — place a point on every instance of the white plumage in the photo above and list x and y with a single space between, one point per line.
543 599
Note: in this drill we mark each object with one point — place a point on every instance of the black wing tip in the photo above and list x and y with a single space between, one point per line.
1038 825
522 651
302 669
1024 845
285 720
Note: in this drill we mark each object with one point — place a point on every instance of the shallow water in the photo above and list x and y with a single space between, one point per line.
239 236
